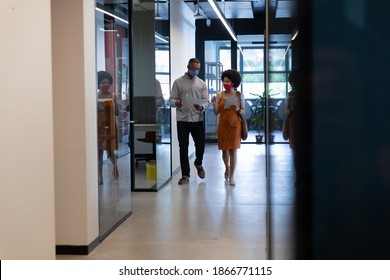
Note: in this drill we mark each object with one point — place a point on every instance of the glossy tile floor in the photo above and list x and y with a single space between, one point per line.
208 219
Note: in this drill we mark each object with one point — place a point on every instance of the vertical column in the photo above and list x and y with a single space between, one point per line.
75 136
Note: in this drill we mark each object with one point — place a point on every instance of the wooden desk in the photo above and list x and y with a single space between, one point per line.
148 137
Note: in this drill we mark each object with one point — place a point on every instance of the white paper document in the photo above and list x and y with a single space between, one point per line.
230 101
196 101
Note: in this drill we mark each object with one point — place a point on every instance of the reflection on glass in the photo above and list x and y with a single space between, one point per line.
251 66
113 119
217 59
163 110
107 124
151 90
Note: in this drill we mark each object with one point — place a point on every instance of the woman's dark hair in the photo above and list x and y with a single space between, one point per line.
293 77
104 75
232 75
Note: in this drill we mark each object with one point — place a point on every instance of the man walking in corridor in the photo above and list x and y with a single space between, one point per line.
189 96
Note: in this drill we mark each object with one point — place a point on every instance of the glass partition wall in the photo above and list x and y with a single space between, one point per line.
133 113
217 59
150 93
112 96
264 62
163 85
278 64
250 63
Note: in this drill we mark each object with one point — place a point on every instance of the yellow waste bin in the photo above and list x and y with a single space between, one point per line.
151 172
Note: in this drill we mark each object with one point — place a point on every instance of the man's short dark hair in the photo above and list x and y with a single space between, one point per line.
193 60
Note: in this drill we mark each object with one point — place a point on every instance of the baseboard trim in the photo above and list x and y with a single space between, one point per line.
77 250
87 249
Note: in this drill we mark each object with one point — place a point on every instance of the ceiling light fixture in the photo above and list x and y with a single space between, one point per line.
197 13
285 54
160 37
294 36
107 30
243 55
222 17
110 14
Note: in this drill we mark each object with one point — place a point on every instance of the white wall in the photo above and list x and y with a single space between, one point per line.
182 28
75 135
26 161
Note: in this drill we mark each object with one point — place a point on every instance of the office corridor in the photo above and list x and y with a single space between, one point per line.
208 219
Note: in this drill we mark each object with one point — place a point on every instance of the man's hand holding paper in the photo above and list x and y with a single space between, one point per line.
196 101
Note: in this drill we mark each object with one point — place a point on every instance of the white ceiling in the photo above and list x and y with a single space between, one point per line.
233 9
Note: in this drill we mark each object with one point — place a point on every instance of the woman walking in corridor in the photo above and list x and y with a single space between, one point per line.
229 104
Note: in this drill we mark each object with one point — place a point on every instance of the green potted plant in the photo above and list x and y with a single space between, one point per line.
258 116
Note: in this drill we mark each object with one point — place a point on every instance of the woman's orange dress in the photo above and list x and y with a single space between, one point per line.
229 126
107 130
